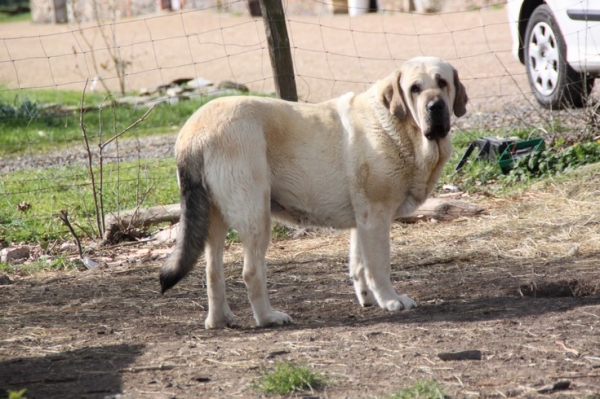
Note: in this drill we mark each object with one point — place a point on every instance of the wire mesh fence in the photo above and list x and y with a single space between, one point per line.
104 74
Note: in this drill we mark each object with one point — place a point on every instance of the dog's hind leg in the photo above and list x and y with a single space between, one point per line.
357 273
255 235
219 314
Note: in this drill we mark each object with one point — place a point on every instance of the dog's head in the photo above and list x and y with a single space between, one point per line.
426 90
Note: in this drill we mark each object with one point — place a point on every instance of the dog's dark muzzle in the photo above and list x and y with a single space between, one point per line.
438 118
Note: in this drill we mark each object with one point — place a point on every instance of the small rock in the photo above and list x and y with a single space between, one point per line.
464 355
90 264
174 91
5 280
450 187
573 250
24 206
559 386
168 235
14 253
66 245
199 83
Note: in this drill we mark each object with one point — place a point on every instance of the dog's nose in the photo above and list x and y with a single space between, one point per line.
435 105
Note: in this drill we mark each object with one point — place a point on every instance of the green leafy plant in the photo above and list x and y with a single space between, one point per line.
554 161
286 378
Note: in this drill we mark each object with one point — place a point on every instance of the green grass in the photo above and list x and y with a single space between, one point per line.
28 125
7 18
53 263
17 394
420 390
50 190
286 378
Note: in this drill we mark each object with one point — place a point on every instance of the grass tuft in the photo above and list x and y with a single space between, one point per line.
420 390
44 264
287 378
17 394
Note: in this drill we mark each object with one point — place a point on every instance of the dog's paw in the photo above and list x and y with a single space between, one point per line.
366 298
403 302
274 318
223 320
407 302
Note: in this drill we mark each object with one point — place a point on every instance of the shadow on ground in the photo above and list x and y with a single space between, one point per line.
86 373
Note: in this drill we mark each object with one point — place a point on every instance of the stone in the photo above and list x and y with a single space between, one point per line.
199 83
5 280
14 253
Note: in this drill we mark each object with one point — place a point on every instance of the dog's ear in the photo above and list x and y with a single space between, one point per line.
461 99
392 97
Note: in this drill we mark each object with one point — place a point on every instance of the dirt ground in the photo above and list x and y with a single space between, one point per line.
520 283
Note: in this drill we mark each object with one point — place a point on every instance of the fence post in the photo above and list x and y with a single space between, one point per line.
279 49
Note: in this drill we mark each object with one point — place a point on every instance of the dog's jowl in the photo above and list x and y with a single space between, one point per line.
355 162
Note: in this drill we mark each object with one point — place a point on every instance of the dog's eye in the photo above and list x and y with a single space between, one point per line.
442 84
415 89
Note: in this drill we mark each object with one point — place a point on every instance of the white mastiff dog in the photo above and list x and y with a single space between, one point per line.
355 162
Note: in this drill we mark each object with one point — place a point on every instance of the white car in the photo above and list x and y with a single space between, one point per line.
558 41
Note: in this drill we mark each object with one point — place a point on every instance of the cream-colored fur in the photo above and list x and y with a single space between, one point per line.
356 162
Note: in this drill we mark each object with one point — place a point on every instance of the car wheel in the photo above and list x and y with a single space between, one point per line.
555 84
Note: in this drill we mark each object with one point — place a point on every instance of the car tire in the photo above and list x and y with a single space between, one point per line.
554 83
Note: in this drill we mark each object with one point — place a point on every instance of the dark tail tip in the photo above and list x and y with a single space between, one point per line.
168 280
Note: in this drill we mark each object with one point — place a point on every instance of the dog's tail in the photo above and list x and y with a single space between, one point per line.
193 223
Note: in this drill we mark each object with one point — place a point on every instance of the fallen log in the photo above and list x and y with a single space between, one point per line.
443 210
440 209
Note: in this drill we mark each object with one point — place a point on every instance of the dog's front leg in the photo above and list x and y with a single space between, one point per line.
357 272
373 236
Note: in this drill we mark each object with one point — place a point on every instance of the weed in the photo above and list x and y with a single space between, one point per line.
280 231
17 394
420 390
233 237
6 268
286 378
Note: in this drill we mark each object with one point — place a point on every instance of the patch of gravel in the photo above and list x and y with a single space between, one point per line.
154 147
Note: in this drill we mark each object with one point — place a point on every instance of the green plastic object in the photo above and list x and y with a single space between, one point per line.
518 150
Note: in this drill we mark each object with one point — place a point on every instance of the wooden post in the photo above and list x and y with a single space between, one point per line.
279 49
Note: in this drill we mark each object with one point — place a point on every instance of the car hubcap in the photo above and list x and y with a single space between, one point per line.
543 59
